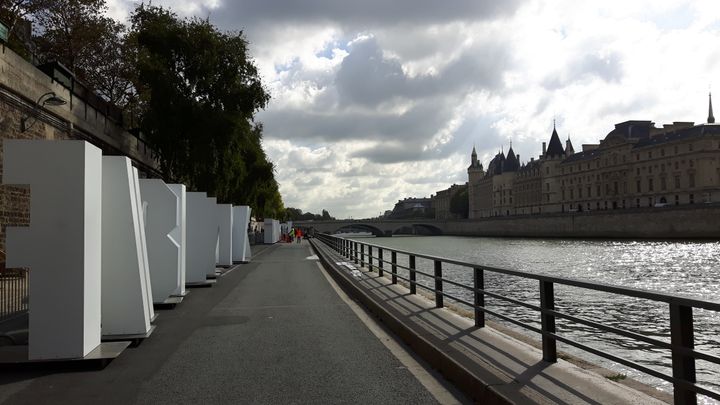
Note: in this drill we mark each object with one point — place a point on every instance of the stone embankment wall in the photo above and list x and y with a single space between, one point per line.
21 84
698 221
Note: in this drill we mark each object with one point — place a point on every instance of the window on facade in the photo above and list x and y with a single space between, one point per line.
677 166
662 152
637 186
649 169
572 194
649 154
692 198
675 149
637 171
691 180
563 194
690 147
547 187
597 190
677 181
650 204
663 184
547 170
637 156
579 192
690 162
677 199
637 203
615 187
589 194
650 185
607 188
625 187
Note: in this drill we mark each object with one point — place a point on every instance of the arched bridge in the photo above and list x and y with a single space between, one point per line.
378 227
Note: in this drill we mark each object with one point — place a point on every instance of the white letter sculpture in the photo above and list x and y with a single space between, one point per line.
62 245
163 232
272 230
241 245
180 235
126 295
202 238
225 246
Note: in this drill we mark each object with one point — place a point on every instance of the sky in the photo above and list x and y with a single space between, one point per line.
374 101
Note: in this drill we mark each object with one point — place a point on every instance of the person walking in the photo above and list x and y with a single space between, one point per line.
298 235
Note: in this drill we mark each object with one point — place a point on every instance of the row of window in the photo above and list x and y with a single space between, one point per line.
614 189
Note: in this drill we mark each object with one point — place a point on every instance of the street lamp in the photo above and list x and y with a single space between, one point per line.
49 98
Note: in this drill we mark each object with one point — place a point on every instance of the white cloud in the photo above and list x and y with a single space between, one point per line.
376 103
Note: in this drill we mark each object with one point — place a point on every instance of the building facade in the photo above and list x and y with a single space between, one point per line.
441 202
637 165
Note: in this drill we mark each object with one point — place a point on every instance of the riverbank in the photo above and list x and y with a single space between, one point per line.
699 221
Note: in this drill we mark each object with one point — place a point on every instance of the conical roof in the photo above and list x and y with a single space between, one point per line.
555 147
511 163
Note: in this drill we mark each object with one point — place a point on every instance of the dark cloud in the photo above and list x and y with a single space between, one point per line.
366 77
358 14
420 122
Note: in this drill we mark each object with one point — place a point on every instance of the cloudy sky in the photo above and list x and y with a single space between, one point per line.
376 100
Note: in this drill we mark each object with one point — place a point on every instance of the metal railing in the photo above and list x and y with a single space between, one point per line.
13 293
680 308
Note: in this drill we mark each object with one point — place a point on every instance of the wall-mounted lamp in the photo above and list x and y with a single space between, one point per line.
49 98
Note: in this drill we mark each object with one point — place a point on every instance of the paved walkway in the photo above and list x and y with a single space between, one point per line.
489 365
272 331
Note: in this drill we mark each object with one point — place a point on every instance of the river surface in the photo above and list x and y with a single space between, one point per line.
675 267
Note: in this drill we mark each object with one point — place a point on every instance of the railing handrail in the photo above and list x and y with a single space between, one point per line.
682 346
628 291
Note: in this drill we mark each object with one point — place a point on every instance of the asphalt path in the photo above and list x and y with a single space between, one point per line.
271 331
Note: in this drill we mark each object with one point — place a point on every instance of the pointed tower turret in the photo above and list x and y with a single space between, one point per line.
569 150
511 163
473 157
711 118
555 148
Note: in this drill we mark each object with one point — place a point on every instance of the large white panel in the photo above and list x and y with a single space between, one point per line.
162 230
202 237
241 217
225 217
62 246
272 230
147 289
179 235
125 301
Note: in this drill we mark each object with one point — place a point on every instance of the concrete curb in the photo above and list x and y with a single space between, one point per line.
469 383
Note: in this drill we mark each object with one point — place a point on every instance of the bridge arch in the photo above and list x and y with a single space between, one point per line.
362 228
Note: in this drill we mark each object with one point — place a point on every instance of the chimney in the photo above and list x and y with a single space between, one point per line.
544 148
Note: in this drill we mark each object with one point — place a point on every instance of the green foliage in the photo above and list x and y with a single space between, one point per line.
198 92
460 203
295 214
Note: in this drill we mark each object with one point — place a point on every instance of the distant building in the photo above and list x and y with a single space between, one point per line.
636 165
441 202
412 208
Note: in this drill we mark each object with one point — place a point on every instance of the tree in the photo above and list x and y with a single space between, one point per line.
77 34
460 204
15 14
198 91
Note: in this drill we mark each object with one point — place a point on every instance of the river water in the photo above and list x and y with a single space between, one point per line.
676 267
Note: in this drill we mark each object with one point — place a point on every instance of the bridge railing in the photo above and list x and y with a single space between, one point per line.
679 308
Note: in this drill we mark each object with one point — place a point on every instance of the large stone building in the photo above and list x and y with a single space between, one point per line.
636 165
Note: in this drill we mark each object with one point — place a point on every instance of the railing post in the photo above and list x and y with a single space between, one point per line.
479 284
362 255
355 252
370 257
438 284
411 264
393 268
547 302
380 262
683 365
